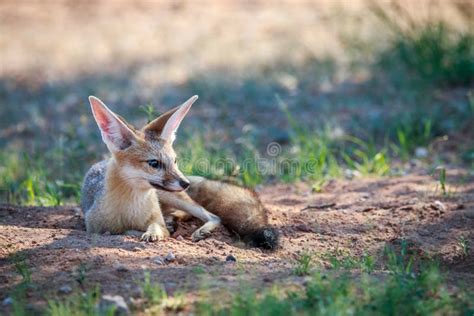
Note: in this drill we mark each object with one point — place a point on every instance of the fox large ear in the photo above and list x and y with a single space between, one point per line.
116 134
165 126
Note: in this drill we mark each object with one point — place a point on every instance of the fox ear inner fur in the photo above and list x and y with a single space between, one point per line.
164 127
116 133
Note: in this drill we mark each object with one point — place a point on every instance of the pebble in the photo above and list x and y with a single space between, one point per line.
421 152
439 206
159 261
65 289
77 212
133 233
230 258
424 232
7 301
170 257
120 267
469 213
304 228
180 238
348 174
117 301
136 292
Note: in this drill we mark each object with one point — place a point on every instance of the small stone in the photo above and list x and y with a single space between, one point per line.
136 249
469 213
120 267
107 233
424 232
77 212
439 206
421 152
159 261
180 238
304 228
136 292
348 174
230 258
133 233
117 301
170 257
65 289
7 301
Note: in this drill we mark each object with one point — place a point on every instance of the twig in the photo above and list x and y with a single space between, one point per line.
318 207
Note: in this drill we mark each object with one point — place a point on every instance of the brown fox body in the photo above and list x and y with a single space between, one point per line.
141 181
239 209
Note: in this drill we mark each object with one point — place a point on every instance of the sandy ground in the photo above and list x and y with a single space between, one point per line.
353 216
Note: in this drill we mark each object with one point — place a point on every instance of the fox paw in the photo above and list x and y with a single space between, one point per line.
201 233
154 235
205 230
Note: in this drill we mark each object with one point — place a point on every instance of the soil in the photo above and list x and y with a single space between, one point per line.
354 216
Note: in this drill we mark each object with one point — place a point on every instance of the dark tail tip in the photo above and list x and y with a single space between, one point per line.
266 238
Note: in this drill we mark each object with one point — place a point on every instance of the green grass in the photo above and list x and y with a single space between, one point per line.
412 132
342 260
311 155
442 180
391 285
366 158
19 294
427 52
30 180
303 264
157 300
197 158
327 294
154 293
464 246
81 304
400 291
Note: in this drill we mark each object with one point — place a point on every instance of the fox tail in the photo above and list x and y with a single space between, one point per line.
266 238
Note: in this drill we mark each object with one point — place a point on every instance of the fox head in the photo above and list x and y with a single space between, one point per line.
145 157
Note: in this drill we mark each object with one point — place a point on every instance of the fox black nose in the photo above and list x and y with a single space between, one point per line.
184 184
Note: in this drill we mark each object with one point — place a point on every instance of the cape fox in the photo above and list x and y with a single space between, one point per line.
141 181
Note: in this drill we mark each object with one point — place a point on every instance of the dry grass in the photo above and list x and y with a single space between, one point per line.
170 40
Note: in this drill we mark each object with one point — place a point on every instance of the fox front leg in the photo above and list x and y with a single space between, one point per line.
183 202
156 229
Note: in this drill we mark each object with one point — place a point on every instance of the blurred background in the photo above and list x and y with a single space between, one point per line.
342 88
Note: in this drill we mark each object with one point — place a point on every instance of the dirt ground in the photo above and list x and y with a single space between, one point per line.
353 216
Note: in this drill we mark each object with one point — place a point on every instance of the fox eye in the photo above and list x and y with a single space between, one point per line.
156 164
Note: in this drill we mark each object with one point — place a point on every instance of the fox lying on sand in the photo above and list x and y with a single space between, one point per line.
141 181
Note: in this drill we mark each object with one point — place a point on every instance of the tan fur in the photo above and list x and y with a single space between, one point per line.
126 197
126 207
